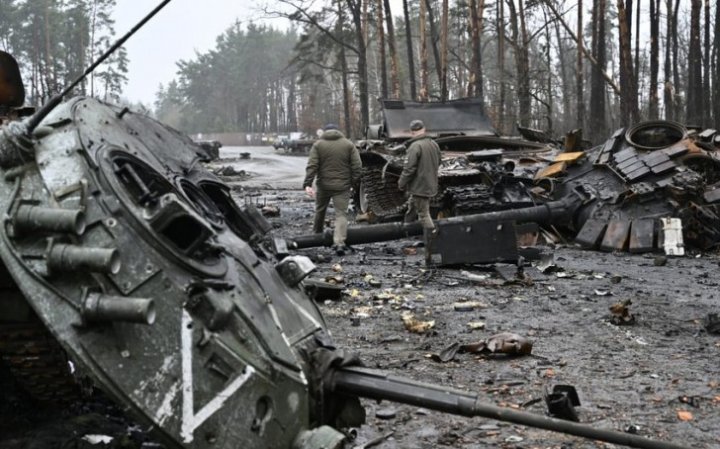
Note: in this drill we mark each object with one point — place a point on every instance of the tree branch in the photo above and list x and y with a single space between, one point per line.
583 48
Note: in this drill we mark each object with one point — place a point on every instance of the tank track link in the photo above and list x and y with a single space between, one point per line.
38 363
383 197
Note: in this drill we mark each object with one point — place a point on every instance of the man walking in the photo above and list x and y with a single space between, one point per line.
420 179
335 162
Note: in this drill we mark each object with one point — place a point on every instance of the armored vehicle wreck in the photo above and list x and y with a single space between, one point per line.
481 170
651 187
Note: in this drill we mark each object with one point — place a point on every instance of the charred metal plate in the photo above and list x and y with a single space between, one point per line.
465 116
591 233
642 236
489 242
665 167
676 150
616 236
712 194
624 155
655 158
630 165
707 135
638 174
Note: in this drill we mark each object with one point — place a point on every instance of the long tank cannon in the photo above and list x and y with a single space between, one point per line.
548 213
481 238
376 385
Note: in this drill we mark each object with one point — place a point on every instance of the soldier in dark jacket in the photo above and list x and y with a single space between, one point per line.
419 179
335 162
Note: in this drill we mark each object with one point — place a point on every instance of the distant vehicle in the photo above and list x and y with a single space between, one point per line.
211 147
295 143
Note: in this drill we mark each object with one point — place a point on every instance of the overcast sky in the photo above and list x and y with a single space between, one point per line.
177 32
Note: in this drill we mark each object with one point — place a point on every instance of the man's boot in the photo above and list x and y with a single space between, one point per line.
428 237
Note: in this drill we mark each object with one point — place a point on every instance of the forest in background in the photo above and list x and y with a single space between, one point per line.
546 64
55 40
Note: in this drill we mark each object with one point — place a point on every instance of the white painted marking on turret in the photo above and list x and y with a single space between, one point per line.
190 420
166 410
304 312
188 409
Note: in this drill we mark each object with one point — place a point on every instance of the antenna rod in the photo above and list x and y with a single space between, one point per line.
55 100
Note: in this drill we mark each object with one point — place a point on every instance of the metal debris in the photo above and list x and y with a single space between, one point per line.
416 326
621 314
562 401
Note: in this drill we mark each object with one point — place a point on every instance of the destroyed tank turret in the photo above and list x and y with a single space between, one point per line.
27 350
480 171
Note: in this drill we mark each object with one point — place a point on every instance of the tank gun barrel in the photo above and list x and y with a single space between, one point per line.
550 212
376 385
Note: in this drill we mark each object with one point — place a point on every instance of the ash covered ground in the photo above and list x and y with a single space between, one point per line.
658 377
635 377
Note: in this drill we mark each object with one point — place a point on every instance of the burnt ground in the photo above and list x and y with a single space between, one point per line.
630 378
639 377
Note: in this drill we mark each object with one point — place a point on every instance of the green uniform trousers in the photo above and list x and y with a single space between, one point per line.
341 201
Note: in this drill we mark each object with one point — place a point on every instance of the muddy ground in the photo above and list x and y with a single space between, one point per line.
658 377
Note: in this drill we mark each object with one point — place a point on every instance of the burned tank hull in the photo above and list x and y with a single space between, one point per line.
480 170
651 187
641 175
137 261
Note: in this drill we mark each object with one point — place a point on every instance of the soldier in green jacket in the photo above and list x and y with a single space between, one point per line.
419 179
335 162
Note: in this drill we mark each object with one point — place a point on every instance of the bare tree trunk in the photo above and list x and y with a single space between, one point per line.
344 74
579 82
628 97
667 72
424 90
394 76
549 104
444 51
706 68
475 45
520 43
434 38
564 81
410 53
50 73
675 68
291 112
694 107
356 8
501 65
479 89
654 58
475 86
381 46
597 123
716 70
637 36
